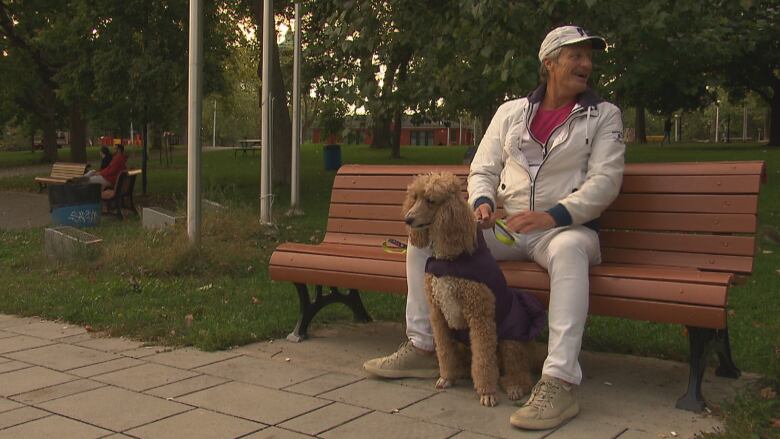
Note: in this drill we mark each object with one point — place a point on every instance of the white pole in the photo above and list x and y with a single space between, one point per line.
676 128
295 191
266 132
744 123
214 126
717 122
194 115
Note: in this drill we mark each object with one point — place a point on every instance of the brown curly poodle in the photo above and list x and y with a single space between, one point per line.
438 215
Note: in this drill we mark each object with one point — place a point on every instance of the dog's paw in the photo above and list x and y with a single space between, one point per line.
488 400
443 383
514 393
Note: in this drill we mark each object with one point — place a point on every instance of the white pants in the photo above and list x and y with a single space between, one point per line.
94 177
566 253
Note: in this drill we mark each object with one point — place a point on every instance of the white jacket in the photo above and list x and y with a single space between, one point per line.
581 170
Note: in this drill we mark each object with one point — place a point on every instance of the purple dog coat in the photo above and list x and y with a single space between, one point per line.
519 315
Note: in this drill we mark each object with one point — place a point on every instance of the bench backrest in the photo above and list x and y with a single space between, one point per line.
68 170
696 215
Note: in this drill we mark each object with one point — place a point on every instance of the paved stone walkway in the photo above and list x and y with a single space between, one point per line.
57 380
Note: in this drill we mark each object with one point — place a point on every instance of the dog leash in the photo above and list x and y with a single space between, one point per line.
394 246
501 230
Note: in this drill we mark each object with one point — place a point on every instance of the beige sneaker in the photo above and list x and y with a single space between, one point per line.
406 362
550 405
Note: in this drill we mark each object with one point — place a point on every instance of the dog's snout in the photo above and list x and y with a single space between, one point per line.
409 220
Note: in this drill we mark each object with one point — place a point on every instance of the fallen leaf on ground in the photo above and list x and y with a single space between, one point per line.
775 423
188 320
731 313
768 393
88 328
255 301
205 287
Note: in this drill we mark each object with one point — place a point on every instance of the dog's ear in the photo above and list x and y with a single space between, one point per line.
453 230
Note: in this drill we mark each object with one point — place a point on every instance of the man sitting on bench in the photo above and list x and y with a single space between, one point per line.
555 160
108 175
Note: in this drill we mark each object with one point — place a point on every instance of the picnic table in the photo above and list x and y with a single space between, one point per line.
245 145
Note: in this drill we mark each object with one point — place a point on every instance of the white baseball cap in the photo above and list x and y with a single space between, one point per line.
568 35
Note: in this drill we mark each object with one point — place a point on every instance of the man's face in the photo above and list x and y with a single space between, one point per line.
570 72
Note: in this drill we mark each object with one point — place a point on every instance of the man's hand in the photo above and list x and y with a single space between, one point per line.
484 216
530 221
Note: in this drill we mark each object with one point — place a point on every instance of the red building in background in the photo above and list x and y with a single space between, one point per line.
424 134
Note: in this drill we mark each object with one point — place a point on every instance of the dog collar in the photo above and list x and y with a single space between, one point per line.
394 246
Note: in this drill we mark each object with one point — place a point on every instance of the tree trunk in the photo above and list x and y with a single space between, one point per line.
78 134
155 135
774 118
282 125
49 122
381 132
395 145
641 135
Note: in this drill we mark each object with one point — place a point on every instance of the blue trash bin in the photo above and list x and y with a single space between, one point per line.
332 155
75 204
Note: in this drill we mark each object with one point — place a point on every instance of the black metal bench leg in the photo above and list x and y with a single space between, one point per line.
309 308
727 368
699 340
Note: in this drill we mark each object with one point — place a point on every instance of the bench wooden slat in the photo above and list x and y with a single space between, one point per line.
662 290
696 168
688 222
382 228
685 203
679 242
401 169
359 239
661 312
702 261
692 184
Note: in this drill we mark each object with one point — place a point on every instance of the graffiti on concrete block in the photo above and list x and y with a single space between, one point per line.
83 216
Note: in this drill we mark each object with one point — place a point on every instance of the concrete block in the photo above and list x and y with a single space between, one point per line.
69 242
159 218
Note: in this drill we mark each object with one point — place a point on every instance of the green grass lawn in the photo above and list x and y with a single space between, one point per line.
147 283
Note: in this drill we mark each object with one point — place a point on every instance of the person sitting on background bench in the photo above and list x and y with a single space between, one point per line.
107 177
555 160
106 160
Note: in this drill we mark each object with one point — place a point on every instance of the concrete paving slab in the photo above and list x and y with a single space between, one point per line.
145 351
47 330
6 334
54 427
276 433
378 425
20 343
197 424
591 428
326 418
110 344
637 434
11 320
57 391
12 365
268 373
260 404
323 383
113 408
461 411
470 435
20 416
31 378
106 367
76 339
62 357
378 395
145 376
187 386
191 358
7 404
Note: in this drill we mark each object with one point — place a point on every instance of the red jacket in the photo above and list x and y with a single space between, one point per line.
117 165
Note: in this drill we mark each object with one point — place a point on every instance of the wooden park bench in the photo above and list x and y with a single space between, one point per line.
671 245
121 195
61 172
